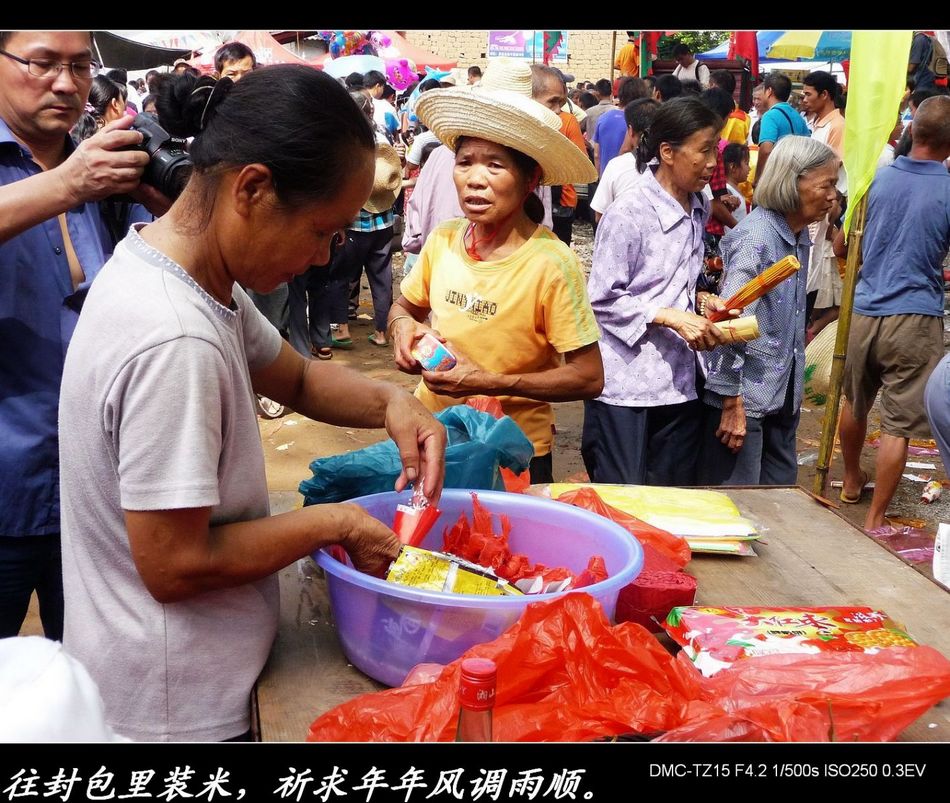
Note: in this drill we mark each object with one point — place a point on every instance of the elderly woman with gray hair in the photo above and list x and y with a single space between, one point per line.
754 390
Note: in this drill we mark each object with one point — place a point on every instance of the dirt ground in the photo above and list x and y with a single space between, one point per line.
292 442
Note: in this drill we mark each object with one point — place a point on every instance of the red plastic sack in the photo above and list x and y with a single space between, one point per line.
564 674
675 548
514 483
842 697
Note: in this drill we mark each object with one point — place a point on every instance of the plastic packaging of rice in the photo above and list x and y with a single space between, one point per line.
715 638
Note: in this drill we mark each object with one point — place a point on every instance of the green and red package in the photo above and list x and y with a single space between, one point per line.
715 638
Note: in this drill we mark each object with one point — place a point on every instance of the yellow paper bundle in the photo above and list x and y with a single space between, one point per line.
759 286
739 330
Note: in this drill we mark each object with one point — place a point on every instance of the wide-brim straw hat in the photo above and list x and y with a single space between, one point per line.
504 72
510 119
386 182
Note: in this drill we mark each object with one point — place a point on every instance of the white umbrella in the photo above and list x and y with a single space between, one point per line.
343 66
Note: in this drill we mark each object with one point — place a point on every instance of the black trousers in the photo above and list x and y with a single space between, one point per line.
563 226
26 563
641 445
541 469
309 313
372 251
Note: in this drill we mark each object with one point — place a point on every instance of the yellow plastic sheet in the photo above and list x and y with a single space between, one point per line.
684 512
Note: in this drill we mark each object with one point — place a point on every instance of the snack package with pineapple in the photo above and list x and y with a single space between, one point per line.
715 638
436 571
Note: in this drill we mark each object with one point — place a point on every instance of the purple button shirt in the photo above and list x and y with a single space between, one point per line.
648 254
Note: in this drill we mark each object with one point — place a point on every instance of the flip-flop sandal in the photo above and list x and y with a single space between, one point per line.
322 353
376 343
882 532
853 500
345 343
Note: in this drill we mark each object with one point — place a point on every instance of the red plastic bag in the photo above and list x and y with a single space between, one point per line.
514 483
564 674
676 549
832 696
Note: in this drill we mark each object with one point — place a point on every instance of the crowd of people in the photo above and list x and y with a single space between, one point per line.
134 473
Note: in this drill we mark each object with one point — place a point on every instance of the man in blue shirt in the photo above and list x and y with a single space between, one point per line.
611 129
897 330
779 120
52 244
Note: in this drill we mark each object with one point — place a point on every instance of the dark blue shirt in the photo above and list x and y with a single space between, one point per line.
921 49
38 312
906 237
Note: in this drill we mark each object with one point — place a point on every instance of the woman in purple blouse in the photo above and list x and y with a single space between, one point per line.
645 427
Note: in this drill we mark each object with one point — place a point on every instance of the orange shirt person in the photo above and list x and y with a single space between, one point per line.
628 59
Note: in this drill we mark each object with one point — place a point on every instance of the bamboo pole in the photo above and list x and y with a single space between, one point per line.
613 56
830 421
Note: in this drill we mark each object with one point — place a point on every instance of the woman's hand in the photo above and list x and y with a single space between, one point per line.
404 332
699 333
732 423
716 304
421 441
730 201
371 545
465 379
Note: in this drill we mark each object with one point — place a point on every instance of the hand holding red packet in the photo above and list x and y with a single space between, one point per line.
412 522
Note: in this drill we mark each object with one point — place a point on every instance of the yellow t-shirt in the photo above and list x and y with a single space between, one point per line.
736 128
510 316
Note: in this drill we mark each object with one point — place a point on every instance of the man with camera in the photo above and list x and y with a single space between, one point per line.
52 244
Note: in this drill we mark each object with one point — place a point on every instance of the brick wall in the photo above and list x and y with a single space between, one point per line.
588 51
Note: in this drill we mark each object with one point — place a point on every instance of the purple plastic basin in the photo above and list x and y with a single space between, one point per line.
386 629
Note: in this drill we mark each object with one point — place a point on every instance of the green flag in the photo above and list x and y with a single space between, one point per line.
875 87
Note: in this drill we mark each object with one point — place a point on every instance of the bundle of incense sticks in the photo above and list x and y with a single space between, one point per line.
759 286
739 330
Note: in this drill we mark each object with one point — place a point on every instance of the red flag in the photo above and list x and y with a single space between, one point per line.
743 44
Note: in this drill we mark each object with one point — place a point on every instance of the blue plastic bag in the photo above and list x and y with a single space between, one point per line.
478 444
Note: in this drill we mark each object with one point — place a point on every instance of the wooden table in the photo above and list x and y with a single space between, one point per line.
809 556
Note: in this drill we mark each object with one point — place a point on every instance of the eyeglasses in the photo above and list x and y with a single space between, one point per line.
49 68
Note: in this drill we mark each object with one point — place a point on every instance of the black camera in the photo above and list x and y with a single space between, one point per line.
169 166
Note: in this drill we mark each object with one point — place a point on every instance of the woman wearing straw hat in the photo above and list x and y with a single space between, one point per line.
504 293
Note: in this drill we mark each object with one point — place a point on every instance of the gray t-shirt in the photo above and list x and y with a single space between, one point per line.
157 413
